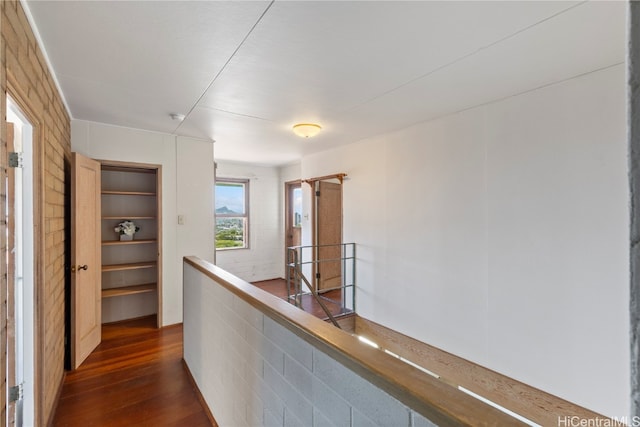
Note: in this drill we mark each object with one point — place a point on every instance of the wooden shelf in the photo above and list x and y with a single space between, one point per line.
121 217
110 168
130 266
129 290
131 191
128 242
127 193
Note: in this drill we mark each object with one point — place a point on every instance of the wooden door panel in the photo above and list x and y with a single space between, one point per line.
86 315
293 230
329 232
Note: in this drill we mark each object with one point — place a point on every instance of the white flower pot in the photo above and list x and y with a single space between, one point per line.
125 237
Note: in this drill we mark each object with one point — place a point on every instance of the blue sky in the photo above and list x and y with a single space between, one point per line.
231 196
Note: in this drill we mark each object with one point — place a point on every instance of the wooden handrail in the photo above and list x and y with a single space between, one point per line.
434 399
338 176
531 403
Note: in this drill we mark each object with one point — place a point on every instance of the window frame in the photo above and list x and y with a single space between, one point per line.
245 216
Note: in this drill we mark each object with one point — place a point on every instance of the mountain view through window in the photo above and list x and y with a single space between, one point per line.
231 198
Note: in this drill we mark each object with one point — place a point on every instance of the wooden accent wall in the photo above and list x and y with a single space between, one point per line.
26 76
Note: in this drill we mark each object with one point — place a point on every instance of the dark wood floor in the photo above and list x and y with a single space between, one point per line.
135 377
331 299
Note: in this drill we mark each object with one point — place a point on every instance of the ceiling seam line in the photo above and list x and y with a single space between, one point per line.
238 114
225 65
504 98
462 58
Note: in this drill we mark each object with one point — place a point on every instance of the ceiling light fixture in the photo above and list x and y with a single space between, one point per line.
306 130
176 116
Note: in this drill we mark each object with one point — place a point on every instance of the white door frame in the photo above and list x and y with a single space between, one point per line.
24 265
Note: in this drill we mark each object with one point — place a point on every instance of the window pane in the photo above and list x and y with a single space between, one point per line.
230 198
297 207
230 233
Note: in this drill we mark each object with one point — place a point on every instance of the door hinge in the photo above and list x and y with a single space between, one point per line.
15 393
15 160
318 193
317 275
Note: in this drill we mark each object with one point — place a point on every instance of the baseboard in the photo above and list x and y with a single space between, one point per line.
203 402
54 408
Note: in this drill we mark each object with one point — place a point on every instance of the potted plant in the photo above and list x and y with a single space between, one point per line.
127 229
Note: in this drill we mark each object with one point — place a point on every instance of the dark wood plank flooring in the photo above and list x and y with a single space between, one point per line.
331 299
135 377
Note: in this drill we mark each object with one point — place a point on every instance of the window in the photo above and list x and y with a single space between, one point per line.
232 213
296 206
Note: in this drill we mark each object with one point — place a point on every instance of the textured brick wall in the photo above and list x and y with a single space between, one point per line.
26 69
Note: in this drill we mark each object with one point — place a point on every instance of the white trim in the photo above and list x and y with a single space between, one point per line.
25 293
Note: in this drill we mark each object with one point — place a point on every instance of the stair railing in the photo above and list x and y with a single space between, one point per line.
303 260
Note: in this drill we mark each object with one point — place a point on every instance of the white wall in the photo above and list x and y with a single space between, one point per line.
264 259
187 167
288 173
195 191
500 234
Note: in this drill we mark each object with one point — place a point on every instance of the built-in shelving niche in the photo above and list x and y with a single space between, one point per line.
131 270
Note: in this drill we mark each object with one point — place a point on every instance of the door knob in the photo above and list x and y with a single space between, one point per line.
80 267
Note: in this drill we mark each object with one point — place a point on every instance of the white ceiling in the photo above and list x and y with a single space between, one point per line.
245 72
